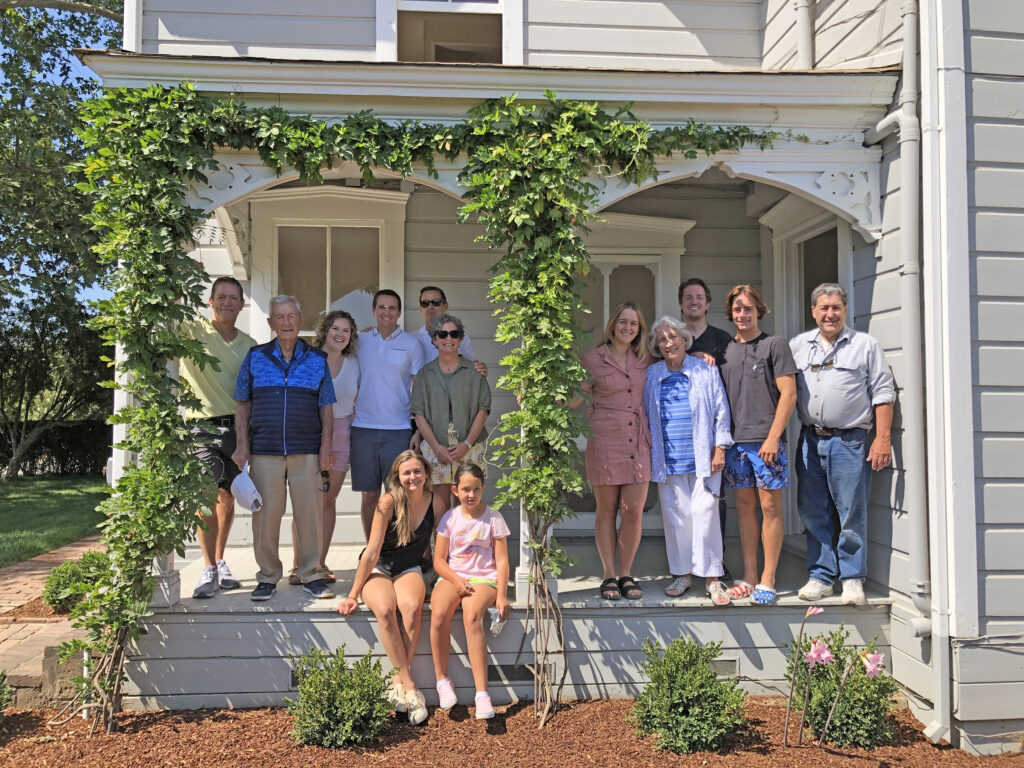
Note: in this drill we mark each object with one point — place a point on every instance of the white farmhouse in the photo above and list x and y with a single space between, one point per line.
906 185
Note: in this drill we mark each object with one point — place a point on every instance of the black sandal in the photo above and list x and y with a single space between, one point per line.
610 590
629 588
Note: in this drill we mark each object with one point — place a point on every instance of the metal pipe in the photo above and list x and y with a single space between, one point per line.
905 121
804 33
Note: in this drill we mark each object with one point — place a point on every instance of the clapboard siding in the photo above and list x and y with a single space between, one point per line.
990 675
306 29
848 34
676 34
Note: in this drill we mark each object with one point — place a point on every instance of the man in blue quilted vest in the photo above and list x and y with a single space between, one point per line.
284 422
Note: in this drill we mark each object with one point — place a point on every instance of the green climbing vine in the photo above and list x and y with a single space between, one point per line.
528 175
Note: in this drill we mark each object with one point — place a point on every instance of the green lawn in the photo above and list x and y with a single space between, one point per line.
40 514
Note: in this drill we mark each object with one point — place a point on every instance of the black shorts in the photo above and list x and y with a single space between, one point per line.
216 453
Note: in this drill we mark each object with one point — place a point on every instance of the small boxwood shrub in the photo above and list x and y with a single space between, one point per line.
863 717
67 583
338 705
685 703
6 693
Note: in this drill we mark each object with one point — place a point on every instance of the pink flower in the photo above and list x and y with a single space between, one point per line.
872 663
819 654
814 610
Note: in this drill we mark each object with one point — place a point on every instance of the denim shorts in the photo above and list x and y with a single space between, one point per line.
745 469
373 453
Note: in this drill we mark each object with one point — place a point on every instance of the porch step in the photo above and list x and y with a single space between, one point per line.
231 652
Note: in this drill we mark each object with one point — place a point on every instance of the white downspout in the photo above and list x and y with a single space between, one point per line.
804 33
904 120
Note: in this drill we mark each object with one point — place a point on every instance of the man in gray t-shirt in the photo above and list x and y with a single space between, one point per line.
760 381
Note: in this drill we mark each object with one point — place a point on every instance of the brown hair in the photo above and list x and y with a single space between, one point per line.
694 281
326 321
468 468
751 293
403 520
639 343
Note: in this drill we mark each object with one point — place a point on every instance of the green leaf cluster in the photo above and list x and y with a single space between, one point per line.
863 717
339 705
70 581
529 171
685 703
6 693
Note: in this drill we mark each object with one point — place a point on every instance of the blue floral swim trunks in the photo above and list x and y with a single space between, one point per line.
745 469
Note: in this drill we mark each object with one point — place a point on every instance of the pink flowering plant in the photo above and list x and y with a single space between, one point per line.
849 692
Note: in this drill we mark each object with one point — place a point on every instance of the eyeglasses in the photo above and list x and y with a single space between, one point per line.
326 477
431 303
446 334
826 365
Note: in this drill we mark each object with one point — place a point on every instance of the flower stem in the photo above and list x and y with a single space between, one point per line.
803 712
792 680
842 684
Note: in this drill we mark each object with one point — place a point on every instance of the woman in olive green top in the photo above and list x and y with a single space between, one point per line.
450 401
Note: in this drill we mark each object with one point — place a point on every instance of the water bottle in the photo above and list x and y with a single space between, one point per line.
497 623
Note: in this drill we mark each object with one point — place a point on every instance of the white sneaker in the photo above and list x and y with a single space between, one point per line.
446 698
245 492
853 592
224 577
396 696
417 706
814 590
207 586
484 707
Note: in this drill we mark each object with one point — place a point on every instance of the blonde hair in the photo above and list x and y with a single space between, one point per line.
402 518
639 342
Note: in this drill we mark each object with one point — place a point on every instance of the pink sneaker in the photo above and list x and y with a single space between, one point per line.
484 708
446 693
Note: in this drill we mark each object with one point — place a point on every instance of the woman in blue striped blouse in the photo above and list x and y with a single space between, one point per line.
689 419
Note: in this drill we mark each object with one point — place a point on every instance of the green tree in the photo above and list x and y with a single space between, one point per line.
42 234
51 367
49 360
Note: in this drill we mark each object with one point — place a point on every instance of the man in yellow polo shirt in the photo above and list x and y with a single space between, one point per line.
216 418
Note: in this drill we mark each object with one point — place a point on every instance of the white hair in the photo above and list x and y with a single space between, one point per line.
675 325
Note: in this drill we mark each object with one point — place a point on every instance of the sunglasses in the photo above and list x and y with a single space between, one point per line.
826 365
430 303
326 477
446 334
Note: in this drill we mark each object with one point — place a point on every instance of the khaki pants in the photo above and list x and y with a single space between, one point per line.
301 473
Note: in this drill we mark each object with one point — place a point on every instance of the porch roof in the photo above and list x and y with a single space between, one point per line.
819 99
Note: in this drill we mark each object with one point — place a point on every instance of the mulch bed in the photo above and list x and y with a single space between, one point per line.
34 609
591 734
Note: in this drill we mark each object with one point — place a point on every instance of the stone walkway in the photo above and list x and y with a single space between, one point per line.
23 640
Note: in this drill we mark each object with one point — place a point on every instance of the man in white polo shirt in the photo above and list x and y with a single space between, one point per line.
381 427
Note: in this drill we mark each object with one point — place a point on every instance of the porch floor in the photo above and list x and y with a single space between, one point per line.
577 587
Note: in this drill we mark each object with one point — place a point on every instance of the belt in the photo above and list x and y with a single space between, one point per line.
827 431
222 421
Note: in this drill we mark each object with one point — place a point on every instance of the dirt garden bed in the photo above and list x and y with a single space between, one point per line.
590 734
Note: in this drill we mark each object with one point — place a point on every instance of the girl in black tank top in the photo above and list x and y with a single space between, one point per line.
388 576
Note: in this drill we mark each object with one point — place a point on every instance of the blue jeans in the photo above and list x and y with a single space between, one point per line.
834 481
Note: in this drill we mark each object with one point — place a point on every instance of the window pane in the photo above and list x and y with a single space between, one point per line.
593 299
633 283
355 271
302 268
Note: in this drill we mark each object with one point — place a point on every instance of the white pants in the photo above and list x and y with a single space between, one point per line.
693 537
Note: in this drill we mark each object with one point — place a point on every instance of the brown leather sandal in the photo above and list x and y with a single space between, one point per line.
629 588
610 589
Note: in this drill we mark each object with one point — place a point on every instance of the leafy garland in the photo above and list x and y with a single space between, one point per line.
527 179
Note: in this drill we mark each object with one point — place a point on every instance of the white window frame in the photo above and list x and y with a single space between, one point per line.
511 12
